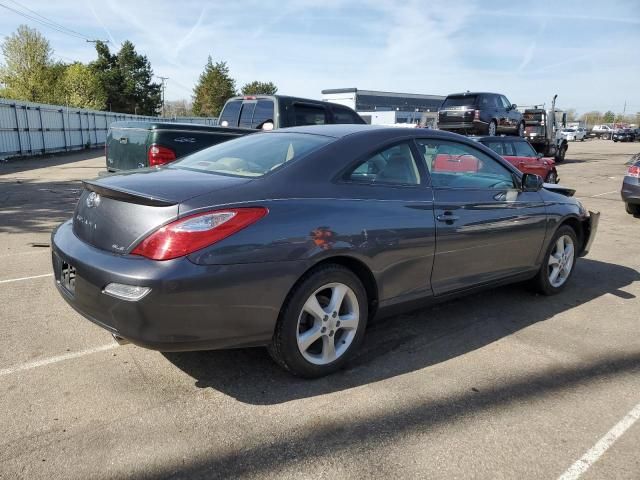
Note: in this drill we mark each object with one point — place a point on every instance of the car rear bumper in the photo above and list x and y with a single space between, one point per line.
630 192
476 126
590 230
189 306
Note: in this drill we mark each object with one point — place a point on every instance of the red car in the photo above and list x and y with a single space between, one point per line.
521 154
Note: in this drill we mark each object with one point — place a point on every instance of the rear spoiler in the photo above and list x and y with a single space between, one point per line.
125 196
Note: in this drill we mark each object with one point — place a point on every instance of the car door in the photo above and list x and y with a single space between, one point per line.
527 159
512 115
387 190
502 114
486 227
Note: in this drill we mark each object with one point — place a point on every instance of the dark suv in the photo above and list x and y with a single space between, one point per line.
480 113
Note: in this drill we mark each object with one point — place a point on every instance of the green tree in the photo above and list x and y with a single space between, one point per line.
214 87
126 79
80 87
608 117
259 88
27 70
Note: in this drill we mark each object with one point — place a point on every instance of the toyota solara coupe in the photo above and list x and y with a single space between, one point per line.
294 239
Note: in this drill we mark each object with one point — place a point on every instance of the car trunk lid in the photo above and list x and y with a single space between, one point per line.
115 212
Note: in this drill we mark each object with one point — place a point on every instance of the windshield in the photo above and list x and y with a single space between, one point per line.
253 155
461 101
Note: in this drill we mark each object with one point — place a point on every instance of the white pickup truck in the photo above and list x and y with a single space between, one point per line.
602 131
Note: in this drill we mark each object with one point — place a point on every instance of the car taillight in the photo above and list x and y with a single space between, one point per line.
634 171
159 155
194 232
476 116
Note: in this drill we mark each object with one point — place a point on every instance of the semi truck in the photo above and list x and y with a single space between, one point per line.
543 129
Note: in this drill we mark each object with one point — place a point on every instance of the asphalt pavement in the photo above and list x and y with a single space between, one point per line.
500 385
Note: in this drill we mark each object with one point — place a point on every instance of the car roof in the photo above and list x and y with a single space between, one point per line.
499 139
463 94
352 129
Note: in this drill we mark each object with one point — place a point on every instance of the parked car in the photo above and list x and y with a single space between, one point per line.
602 131
522 155
624 135
631 186
480 114
295 238
582 134
573 134
132 145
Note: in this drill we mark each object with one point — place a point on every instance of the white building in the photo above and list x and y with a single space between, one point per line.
388 108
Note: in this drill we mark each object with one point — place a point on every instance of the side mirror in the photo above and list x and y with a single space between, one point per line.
564 119
513 106
531 182
539 155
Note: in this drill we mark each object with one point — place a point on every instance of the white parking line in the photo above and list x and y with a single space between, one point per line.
592 456
59 358
605 193
26 278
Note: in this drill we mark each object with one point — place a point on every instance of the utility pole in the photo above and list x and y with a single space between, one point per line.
163 79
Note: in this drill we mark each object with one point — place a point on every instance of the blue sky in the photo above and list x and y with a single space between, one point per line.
586 51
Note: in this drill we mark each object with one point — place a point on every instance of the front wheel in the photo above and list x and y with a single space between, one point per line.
562 151
557 265
552 177
322 323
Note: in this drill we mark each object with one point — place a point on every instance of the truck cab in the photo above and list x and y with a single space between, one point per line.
266 112
543 129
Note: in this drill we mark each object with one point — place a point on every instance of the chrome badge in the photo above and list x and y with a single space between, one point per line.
93 200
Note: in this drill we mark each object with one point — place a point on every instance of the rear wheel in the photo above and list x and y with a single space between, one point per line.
632 209
322 323
557 265
492 128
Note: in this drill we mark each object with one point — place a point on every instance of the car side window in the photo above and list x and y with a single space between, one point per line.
394 165
457 165
309 114
523 149
505 103
497 147
343 115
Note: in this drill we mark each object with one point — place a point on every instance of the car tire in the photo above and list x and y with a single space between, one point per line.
552 177
492 129
548 281
632 209
562 151
520 131
310 339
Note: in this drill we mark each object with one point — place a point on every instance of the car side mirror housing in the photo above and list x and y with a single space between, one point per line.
531 182
539 155
513 106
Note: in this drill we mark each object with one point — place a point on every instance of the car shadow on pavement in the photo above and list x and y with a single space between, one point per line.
18 165
36 207
406 343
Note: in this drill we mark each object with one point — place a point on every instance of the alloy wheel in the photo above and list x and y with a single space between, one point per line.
492 129
328 323
561 261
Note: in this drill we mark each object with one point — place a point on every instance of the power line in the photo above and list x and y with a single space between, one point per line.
50 24
46 19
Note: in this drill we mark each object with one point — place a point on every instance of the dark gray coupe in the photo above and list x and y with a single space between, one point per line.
295 238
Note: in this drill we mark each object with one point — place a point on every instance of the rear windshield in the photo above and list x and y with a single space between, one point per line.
460 101
247 113
253 155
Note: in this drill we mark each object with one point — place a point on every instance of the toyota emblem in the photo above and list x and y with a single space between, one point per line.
93 200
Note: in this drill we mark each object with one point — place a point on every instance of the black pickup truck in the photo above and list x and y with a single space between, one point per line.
132 144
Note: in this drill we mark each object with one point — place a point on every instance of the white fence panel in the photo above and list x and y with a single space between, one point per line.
32 128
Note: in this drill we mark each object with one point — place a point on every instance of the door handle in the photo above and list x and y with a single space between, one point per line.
447 217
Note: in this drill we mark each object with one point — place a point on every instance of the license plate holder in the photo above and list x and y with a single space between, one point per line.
68 277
